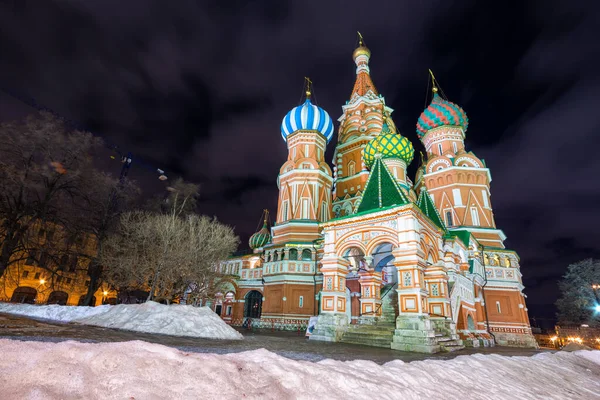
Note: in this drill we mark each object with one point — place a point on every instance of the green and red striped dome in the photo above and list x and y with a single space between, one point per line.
260 238
439 113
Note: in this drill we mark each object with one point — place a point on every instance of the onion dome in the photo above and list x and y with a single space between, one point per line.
262 237
388 145
307 117
439 113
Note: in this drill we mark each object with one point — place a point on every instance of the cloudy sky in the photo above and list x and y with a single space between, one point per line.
199 88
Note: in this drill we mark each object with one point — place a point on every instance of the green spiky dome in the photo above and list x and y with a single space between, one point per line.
260 238
389 145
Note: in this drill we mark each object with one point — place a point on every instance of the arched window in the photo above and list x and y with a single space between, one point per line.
306 255
293 254
449 220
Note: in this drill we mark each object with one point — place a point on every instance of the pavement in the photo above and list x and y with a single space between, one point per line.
287 344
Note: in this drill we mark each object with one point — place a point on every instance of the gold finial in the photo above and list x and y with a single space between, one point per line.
434 89
266 216
308 85
360 39
383 111
379 148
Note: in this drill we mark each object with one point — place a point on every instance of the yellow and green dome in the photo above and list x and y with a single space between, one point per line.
389 145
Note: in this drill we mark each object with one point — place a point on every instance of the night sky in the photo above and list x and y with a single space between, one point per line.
199 88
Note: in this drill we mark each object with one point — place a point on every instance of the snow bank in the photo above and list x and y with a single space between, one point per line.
175 319
150 317
140 370
53 312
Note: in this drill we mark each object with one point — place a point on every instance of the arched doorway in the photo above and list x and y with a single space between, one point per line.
356 258
24 294
383 260
253 304
58 297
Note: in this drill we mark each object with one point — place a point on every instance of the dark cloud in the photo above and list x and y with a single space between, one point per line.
199 89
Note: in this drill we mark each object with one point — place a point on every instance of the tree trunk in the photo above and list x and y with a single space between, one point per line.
94 272
153 288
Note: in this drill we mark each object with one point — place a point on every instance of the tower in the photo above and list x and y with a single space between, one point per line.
457 180
361 121
304 180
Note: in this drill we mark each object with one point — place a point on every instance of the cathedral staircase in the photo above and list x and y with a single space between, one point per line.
381 332
447 343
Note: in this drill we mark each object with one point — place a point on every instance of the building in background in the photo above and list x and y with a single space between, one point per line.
382 260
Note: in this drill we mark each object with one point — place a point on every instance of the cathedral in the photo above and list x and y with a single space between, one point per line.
370 256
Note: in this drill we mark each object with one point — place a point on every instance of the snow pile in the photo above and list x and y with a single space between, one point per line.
140 370
53 312
575 346
150 317
175 319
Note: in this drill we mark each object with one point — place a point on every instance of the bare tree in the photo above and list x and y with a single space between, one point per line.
43 166
166 253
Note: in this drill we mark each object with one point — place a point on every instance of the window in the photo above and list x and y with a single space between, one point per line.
44 259
474 215
37 276
59 279
306 255
457 197
228 311
25 274
41 233
31 258
301 301
498 307
293 254
324 214
68 281
440 148
306 166
284 215
435 289
306 148
305 209
486 203
449 220
454 147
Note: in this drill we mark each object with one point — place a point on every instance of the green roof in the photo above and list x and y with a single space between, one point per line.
381 190
428 208
462 234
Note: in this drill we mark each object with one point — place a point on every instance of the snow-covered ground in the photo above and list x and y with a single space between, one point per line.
150 317
140 370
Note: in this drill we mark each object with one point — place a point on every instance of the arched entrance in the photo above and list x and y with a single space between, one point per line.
24 294
253 304
470 323
356 257
58 297
383 261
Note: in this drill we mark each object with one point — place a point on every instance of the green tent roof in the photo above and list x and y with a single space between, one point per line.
428 208
381 190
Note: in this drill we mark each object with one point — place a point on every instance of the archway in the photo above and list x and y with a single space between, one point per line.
24 294
58 297
383 261
92 303
356 257
253 304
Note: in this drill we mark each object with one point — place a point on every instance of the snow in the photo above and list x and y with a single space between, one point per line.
140 370
53 312
150 317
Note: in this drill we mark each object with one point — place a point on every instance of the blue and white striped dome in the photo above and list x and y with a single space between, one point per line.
307 117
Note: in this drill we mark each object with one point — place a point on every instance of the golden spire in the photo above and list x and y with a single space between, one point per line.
308 86
266 216
434 89
360 39
361 49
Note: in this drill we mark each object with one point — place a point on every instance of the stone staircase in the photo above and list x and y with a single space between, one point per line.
379 335
448 344
381 332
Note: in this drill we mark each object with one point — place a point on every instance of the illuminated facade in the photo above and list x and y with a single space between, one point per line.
379 259
40 277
